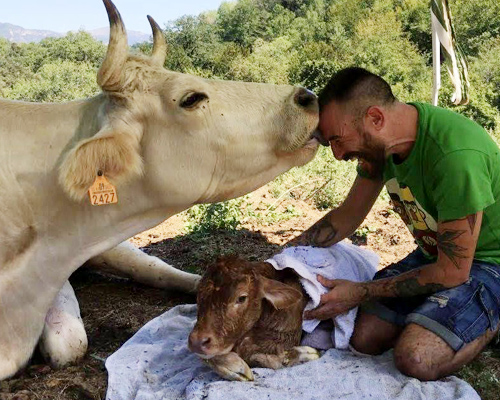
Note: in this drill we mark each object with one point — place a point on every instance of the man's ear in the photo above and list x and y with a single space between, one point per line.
376 117
280 295
116 154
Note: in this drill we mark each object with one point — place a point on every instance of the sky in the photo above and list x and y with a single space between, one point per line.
71 15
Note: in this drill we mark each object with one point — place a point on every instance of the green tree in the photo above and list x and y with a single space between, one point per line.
75 46
55 82
476 22
243 21
269 62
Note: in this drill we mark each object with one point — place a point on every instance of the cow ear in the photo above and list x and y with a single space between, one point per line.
115 154
280 295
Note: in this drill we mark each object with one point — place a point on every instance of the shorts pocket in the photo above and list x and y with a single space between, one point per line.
492 270
479 314
490 304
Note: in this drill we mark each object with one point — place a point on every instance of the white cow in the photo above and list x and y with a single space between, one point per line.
165 140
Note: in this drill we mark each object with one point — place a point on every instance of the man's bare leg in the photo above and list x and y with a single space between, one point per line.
373 335
421 354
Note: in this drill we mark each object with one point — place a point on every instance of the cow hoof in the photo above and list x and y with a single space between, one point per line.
63 343
300 354
231 367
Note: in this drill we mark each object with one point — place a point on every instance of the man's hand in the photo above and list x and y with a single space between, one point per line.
343 296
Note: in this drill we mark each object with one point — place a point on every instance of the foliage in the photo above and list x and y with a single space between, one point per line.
269 62
55 82
324 180
300 42
476 22
77 47
56 69
206 218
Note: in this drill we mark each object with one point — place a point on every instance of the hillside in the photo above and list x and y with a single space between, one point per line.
18 34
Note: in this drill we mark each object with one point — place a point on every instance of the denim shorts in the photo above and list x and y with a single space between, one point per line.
457 315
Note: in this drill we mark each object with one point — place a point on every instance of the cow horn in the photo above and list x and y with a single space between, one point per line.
159 45
109 76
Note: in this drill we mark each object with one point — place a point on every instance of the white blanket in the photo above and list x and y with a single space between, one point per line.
340 261
155 364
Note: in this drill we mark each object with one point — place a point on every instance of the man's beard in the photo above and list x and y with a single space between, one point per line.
371 159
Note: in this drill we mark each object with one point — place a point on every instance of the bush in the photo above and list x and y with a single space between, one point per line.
206 218
55 82
324 180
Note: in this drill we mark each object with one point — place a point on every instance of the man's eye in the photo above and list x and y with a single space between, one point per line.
241 299
191 100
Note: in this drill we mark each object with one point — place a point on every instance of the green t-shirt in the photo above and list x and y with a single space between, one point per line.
452 171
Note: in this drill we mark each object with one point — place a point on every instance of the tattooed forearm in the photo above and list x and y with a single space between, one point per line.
405 285
471 219
446 243
412 287
322 234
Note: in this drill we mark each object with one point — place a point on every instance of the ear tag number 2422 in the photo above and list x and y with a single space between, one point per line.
102 192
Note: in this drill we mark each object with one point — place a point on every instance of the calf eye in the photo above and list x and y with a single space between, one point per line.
241 299
192 99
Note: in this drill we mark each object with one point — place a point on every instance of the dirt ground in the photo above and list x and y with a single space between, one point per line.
113 309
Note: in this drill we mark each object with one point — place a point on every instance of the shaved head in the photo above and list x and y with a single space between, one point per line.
356 89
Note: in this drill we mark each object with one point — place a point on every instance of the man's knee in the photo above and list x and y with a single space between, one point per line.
422 354
372 335
412 362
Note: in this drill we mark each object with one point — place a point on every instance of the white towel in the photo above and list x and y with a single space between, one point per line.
155 364
340 261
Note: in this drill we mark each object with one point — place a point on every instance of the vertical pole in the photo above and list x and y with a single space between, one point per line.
436 63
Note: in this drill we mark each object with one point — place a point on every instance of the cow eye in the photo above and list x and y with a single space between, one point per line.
241 299
192 99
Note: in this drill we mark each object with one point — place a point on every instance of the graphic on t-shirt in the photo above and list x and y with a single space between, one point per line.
420 223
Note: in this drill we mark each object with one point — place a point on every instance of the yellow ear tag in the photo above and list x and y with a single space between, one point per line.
102 192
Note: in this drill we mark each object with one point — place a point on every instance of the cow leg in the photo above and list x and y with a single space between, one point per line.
63 339
127 260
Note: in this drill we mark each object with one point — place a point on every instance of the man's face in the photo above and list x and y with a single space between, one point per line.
350 137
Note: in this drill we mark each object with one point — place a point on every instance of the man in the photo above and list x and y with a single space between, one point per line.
439 306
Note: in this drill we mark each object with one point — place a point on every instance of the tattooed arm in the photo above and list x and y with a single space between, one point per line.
456 241
343 221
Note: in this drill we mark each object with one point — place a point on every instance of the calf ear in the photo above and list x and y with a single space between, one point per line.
116 154
281 296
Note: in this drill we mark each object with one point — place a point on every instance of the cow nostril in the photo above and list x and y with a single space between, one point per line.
305 98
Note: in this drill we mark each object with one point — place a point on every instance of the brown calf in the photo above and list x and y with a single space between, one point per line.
249 314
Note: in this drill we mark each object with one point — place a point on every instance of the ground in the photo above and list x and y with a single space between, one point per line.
113 309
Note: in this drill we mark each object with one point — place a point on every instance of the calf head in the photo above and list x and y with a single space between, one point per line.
230 302
191 140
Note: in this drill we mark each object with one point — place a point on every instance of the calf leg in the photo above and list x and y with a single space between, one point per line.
231 366
127 260
273 361
63 339
289 358
300 354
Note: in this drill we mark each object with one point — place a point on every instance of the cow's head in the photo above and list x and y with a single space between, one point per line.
190 139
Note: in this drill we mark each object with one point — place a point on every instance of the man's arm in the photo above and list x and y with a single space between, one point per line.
456 242
343 221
